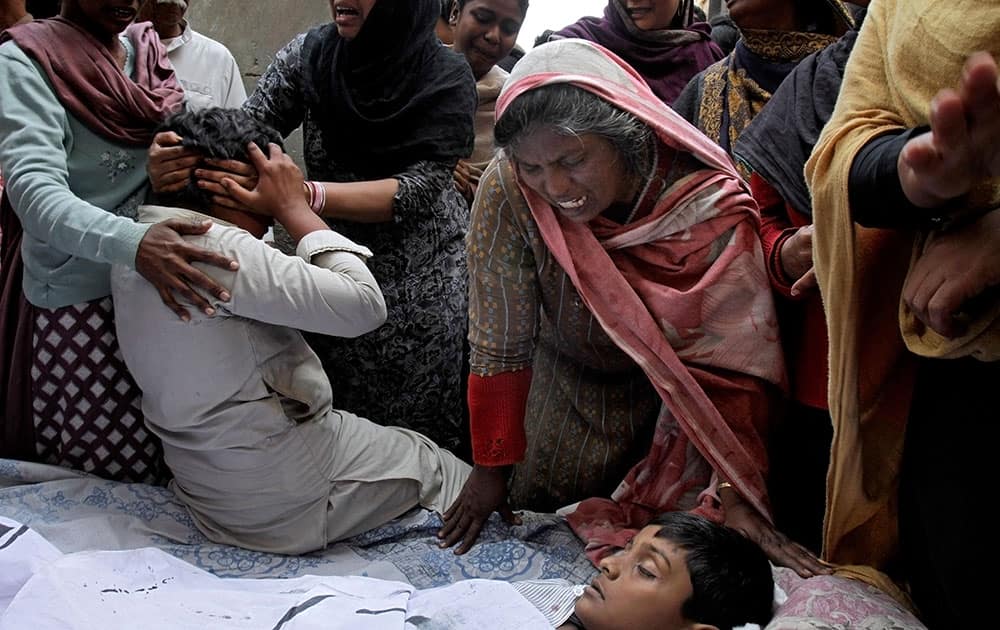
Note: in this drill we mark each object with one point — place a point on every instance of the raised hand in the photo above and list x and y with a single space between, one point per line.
963 146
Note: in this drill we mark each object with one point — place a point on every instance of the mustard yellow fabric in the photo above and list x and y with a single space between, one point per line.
907 50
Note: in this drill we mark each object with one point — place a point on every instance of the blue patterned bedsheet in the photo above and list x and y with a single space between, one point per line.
77 512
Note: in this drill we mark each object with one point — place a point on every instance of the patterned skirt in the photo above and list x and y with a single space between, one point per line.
85 405
66 397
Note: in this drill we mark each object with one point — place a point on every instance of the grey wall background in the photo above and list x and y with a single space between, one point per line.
254 30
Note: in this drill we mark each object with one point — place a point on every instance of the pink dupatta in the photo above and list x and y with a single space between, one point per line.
668 295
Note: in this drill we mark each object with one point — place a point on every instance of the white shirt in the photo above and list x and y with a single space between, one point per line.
207 70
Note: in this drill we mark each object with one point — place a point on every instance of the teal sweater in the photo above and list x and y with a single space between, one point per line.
74 192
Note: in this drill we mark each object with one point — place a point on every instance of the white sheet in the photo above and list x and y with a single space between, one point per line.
153 590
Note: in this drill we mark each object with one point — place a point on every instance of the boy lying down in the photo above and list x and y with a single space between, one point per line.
680 572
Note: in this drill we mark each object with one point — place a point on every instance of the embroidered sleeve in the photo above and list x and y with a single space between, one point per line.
277 100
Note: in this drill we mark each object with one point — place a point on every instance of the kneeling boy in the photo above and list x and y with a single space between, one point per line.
240 401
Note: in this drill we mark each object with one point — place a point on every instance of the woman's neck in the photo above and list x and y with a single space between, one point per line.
13 15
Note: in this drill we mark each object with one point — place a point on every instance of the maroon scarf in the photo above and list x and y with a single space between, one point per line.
667 59
90 85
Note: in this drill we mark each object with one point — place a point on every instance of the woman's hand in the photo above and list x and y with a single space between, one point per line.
211 180
463 180
467 179
797 259
963 146
956 268
170 164
780 550
484 492
164 259
279 192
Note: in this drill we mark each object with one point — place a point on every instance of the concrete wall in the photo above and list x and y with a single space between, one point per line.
254 30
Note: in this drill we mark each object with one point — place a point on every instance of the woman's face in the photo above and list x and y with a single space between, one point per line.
763 14
102 18
651 15
485 32
580 176
350 15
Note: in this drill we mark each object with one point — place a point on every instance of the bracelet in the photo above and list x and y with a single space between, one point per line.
317 196
307 189
320 202
724 484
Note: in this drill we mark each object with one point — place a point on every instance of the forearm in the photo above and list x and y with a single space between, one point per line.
881 194
277 98
299 219
362 202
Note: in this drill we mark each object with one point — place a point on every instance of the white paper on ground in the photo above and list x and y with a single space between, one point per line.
152 590
22 553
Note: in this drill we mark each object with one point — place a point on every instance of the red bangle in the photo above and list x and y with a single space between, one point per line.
496 417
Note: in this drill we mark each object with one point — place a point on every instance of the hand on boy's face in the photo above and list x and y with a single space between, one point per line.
211 175
642 586
278 188
170 164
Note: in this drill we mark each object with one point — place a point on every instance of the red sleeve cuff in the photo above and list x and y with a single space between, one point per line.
496 417
780 282
775 229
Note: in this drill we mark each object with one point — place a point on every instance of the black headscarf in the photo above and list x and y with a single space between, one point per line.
780 138
393 95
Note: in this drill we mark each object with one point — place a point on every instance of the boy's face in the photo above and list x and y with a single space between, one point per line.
643 586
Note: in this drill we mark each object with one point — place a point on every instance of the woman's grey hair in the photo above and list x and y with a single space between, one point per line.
572 111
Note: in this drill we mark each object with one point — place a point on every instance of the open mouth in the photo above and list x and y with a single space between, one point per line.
347 12
572 204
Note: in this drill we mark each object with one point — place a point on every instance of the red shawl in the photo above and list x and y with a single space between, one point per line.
666 293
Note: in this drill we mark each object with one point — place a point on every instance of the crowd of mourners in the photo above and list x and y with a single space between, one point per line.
737 260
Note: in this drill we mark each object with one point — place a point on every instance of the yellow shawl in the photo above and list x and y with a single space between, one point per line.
907 50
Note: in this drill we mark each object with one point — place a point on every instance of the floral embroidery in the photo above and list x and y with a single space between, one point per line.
118 163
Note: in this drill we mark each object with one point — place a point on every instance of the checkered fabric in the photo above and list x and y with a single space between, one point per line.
86 407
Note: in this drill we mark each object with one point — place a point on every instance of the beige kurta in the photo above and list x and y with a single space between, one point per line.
243 406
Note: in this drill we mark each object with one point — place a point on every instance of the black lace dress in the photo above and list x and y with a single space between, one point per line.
408 372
